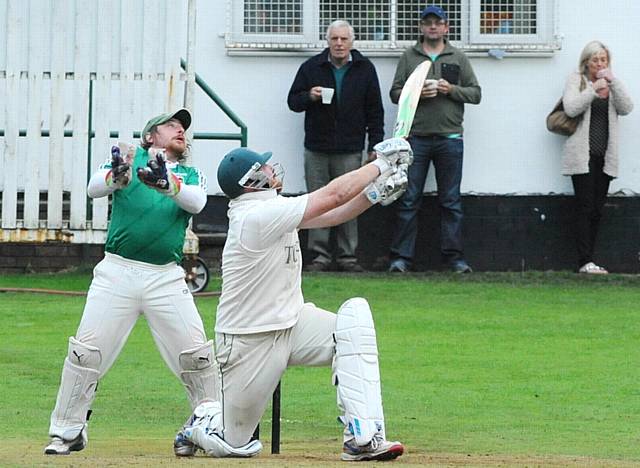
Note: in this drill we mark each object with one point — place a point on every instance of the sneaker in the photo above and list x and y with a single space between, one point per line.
59 446
460 266
592 269
350 267
317 266
183 447
378 449
398 266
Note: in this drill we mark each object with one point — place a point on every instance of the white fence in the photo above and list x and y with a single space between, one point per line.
94 70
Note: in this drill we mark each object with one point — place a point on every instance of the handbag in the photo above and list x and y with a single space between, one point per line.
559 122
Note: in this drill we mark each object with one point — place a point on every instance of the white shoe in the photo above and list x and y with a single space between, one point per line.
59 446
592 269
378 449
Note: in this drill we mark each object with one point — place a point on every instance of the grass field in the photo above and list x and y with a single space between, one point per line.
484 369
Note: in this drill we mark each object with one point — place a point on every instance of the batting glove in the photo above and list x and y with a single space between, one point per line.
394 151
388 188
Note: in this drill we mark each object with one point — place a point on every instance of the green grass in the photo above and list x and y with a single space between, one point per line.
537 364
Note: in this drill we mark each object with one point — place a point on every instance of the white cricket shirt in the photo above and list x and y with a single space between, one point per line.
261 264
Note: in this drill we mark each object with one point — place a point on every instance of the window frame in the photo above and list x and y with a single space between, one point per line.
545 41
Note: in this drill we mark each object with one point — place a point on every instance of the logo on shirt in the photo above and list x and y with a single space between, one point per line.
293 253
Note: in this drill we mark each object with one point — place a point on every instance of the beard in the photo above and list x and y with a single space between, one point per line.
177 148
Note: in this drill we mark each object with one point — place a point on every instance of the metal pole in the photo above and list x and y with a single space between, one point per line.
275 420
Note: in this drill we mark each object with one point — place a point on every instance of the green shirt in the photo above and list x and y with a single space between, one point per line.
146 225
338 75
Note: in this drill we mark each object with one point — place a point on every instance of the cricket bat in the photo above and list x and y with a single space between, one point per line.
409 97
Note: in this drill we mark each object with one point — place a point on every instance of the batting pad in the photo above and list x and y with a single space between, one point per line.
206 422
356 370
199 373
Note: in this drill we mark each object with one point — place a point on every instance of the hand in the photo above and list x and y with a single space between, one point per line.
121 167
606 74
389 187
444 86
156 175
392 152
601 87
315 93
428 91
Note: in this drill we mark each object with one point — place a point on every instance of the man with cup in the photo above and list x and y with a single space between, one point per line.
339 92
436 137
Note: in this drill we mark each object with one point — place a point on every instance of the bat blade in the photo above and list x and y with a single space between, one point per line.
409 97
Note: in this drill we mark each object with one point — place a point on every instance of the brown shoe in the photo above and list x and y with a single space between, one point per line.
317 266
350 267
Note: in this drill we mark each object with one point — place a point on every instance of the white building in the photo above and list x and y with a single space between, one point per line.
248 52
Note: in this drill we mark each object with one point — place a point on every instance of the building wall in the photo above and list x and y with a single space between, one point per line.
507 147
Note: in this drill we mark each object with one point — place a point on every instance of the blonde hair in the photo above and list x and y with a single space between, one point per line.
592 48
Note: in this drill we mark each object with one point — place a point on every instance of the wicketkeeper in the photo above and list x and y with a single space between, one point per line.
140 274
263 325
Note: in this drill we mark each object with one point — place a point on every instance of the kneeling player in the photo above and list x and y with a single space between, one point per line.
263 325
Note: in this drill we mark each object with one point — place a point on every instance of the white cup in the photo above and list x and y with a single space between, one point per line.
327 95
431 83
431 86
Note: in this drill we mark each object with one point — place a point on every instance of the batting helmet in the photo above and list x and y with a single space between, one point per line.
234 166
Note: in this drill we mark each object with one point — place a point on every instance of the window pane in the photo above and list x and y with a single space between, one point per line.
508 17
409 17
273 16
369 18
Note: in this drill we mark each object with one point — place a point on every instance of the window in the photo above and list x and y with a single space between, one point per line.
391 24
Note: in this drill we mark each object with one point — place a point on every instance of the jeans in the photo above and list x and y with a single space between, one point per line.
590 193
319 170
446 155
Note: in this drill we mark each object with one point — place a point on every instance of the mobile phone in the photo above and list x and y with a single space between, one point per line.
450 72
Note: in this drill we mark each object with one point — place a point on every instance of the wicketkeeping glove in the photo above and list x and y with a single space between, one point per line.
158 177
121 167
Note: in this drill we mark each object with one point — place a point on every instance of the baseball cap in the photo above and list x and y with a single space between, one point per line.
234 166
434 10
182 115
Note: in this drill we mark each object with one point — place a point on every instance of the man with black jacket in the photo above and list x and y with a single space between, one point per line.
335 129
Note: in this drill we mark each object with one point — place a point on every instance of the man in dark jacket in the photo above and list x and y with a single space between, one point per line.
339 92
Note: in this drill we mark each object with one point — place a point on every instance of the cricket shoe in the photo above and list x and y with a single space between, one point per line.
183 447
59 446
378 449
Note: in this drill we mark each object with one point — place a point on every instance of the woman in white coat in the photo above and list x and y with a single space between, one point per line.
591 153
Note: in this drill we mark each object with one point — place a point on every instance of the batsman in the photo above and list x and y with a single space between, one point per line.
154 194
263 324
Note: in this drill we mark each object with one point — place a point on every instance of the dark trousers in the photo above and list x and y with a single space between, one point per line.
590 194
446 155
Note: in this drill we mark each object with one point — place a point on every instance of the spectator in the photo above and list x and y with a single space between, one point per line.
436 136
335 130
591 153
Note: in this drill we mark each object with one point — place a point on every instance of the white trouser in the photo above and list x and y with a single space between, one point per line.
251 366
120 292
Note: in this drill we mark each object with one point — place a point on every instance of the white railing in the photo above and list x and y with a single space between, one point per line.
90 70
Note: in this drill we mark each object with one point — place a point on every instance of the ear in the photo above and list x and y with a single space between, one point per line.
148 138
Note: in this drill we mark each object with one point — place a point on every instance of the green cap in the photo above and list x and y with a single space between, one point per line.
182 115
233 168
